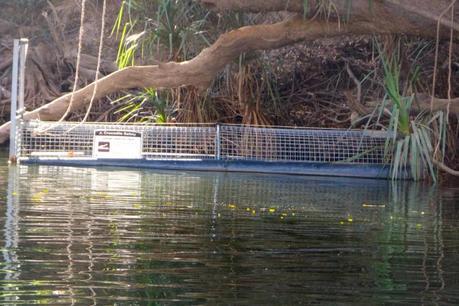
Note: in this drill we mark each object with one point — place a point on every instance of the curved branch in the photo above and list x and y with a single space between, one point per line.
202 69
413 13
422 104
445 168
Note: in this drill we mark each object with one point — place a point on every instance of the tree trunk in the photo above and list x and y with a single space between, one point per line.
420 14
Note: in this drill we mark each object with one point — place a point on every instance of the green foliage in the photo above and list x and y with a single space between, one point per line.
306 8
401 103
327 7
413 138
413 153
144 106
323 8
174 31
127 47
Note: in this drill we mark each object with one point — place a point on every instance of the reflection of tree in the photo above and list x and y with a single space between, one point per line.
411 248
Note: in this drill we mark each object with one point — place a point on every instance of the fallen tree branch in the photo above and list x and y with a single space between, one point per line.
201 70
422 104
380 12
428 11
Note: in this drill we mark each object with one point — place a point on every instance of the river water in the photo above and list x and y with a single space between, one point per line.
113 236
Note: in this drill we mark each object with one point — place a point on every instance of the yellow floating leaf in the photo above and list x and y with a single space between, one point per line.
272 210
37 198
373 205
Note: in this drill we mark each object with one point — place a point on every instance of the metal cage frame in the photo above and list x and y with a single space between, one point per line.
211 142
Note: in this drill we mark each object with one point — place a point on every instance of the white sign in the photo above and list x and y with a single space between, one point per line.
117 144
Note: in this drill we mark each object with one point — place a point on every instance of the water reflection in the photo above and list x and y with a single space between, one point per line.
89 236
11 266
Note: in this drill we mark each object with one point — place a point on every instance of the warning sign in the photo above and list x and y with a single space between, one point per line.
117 144
103 146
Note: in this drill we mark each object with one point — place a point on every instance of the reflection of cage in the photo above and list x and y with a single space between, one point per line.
204 141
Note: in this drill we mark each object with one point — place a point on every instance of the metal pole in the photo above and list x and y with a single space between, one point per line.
24 43
218 149
17 93
14 100
21 108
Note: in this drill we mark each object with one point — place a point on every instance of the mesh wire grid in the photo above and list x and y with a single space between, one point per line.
303 145
204 141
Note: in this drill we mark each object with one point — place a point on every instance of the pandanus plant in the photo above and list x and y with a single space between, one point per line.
416 140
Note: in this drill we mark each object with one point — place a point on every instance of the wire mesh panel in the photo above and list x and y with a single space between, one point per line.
303 145
159 142
42 139
169 142
201 141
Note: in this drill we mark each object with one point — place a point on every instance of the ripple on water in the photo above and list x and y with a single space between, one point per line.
88 236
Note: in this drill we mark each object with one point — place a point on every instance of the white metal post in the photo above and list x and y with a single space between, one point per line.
24 44
14 100
17 92
218 149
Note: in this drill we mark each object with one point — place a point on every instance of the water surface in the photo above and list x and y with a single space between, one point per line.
111 236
